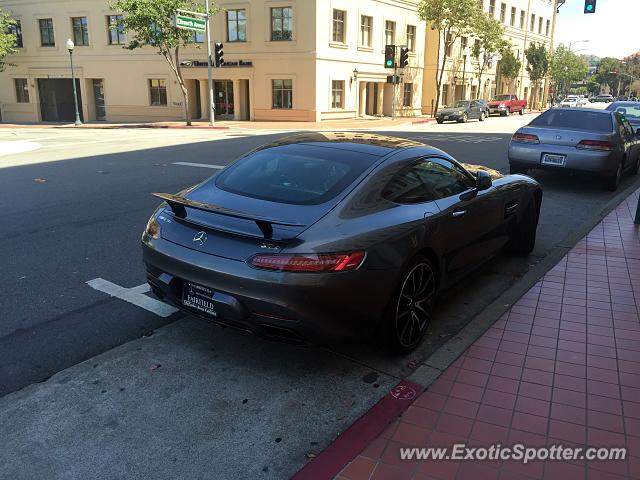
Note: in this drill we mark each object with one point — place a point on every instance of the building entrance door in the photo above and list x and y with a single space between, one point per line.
56 99
98 99
223 94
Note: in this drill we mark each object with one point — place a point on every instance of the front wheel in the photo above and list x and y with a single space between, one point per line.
636 168
521 111
523 238
439 121
411 309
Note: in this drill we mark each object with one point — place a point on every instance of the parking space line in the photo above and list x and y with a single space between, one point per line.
134 296
201 165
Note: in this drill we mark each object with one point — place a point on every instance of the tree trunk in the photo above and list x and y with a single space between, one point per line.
439 76
183 87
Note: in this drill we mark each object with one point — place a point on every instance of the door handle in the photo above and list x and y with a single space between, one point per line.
458 213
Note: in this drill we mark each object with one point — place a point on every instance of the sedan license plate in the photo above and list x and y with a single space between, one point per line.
446 117
551 159
199 297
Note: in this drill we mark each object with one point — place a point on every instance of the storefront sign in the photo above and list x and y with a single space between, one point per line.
203 63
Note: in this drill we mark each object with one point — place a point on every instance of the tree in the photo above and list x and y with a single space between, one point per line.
150 22
566 68
607 72
537 63
489 34
453 19
593 87
509 64
7 38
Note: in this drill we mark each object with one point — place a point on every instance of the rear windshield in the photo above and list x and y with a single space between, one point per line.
574 119
299 175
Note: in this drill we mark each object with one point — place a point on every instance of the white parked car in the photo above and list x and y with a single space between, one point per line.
572 101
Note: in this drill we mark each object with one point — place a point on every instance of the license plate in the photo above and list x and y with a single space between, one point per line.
199 297
446 117
550 159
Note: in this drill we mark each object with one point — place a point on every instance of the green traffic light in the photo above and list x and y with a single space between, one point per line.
389 63
589 7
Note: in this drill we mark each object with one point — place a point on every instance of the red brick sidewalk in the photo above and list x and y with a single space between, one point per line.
562 366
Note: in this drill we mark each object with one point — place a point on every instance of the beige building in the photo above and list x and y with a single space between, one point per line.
305 60
525 22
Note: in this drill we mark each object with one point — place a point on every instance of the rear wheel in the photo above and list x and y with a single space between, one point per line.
612 182
410 312
521 112
523 239
482 116
464 118
516 168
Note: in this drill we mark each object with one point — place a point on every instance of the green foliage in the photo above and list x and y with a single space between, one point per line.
509 65
489 33
7 38
567 67
606 72
537 61
453 19
593 87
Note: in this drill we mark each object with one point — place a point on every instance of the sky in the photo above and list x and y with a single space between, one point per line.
612 30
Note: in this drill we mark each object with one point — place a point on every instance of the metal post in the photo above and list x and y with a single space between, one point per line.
211 104
393 85
464 72
75 93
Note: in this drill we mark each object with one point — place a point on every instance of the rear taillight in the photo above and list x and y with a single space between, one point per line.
329 262
524 138
595 145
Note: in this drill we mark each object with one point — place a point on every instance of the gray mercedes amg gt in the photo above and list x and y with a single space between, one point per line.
334 236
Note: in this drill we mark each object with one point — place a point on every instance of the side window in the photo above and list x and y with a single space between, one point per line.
426 180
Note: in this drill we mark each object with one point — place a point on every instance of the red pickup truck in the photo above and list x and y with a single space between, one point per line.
506 103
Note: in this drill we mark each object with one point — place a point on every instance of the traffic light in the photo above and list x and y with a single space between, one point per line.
404 57
389 56
218 55
589 6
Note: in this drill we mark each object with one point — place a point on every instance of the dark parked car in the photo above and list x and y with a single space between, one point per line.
580 139
601 99
462 111
630 110
334 235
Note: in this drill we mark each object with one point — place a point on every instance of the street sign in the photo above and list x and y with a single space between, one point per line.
190 23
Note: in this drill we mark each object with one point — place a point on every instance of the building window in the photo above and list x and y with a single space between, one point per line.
237 25
115 27
80 31
47 38
503 12
512 22
197 37
365 30
281 23
492 8
522 19
448 44
411 38
17 31
533 23
338 25
337 94
445 94
282 93
407 95
158 92
22 90
540 25
548 27
463 46
390 32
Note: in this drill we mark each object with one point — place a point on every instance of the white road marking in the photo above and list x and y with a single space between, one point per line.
18 146
133 295
201 165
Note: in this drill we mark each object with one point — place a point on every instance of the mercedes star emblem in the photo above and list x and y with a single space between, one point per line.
200 238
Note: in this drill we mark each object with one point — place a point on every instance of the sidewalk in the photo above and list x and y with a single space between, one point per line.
562 366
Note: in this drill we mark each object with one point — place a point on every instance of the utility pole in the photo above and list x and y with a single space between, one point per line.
210 84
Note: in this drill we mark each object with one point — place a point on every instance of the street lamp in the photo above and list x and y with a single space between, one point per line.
70 47
465 53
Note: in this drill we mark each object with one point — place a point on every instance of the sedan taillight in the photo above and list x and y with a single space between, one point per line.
596 145
326 262
525 138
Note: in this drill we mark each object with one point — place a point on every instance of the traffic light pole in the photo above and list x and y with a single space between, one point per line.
210 79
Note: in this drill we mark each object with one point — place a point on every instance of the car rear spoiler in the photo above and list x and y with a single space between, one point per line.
178 206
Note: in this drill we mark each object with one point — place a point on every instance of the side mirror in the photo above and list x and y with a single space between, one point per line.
483 180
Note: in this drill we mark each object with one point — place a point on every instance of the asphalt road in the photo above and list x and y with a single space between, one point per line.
72 210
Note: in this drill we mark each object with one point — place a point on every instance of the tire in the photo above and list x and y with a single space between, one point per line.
521 112
503 114
636 168
481 116
612 182
523 238
514 168
408 315
464 118
439 121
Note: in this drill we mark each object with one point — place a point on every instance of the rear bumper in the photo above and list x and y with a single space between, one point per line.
300 306
575 159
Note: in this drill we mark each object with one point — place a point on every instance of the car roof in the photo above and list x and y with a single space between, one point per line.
373 144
